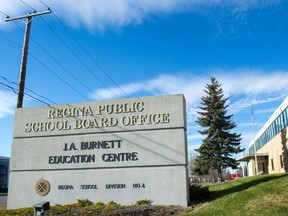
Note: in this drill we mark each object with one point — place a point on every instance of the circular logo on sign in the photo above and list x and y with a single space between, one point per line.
42 187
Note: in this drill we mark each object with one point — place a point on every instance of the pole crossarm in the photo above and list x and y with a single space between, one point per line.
28 15
24 59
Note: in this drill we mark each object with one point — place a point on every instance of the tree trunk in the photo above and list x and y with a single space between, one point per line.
220 174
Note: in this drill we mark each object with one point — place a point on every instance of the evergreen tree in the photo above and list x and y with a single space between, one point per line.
219 142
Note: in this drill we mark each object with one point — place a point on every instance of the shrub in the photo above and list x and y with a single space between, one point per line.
113 204
144 202
100 205
83 202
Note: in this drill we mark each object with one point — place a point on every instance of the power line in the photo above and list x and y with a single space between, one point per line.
43 3
9 87
75 55
85 50
16 92
45 66
24 58
79 59
29 17
8 41
4 13
27 5
9 81
57 62
37 99
12 82
65 69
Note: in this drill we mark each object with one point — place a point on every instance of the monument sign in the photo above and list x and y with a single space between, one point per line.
122 150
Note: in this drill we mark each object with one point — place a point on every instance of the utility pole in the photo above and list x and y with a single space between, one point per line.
254 144
23 67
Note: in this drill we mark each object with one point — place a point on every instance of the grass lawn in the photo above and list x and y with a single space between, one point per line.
260 195
265 195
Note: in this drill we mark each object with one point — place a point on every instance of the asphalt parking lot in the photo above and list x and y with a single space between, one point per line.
3 200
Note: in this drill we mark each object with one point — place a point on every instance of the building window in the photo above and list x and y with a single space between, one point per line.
285 117
263 167
272 164
281 161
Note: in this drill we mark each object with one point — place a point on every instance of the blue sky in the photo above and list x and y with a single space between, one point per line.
148 47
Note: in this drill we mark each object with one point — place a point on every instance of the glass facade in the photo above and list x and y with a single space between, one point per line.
4 172
273 129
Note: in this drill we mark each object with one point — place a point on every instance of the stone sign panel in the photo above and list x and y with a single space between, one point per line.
123 150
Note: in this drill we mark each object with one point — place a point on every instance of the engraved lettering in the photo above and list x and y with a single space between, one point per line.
116 157
115 186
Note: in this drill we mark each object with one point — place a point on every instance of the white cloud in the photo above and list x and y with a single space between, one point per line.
257 87
246 136
255 99
7 103
113 92
253 81
117 13
195 136
248 87
245 87
265 111
190 86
